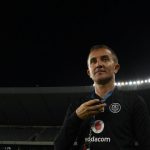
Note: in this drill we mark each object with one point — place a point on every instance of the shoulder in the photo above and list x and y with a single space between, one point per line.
128 95
130 98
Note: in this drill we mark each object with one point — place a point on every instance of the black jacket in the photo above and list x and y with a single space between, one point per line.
122 128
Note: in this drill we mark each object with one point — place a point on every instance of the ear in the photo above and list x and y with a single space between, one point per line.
88 72
117 67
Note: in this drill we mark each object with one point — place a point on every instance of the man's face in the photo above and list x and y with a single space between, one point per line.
101 66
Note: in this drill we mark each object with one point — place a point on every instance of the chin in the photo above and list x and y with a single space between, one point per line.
104 80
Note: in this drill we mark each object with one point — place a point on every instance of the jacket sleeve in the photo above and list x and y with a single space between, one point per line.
141 123
69 130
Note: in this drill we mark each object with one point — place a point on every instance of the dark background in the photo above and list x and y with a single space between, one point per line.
45 43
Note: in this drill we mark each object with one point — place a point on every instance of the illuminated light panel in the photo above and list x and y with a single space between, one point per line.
132 83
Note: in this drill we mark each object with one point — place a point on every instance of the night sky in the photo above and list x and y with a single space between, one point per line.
45 43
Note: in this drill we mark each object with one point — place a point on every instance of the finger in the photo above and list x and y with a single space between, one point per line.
97 107
102 105
94 112
92 102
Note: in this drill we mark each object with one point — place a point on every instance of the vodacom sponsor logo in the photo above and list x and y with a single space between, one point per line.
98 139
98 126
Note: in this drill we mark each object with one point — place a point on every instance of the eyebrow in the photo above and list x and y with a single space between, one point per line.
103 56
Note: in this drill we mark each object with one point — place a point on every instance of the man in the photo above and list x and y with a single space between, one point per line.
107 119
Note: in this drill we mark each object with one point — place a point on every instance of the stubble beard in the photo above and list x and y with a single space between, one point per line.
104 80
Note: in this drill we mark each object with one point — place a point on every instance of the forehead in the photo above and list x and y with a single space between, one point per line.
100 52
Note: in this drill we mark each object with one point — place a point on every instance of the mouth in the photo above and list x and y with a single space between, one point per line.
99 71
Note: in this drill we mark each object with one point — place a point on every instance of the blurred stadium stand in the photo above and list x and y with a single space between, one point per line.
31 117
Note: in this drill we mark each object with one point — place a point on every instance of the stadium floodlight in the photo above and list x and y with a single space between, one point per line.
145 81
138 82
132 83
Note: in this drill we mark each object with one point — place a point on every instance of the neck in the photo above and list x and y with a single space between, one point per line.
102 90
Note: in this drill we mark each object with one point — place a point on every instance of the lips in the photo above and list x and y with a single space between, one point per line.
98 70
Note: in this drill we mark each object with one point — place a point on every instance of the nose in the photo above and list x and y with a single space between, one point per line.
99 63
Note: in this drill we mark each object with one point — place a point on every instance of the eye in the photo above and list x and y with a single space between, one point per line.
93 61
105 58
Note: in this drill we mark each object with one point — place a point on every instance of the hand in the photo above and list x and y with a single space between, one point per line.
90 108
